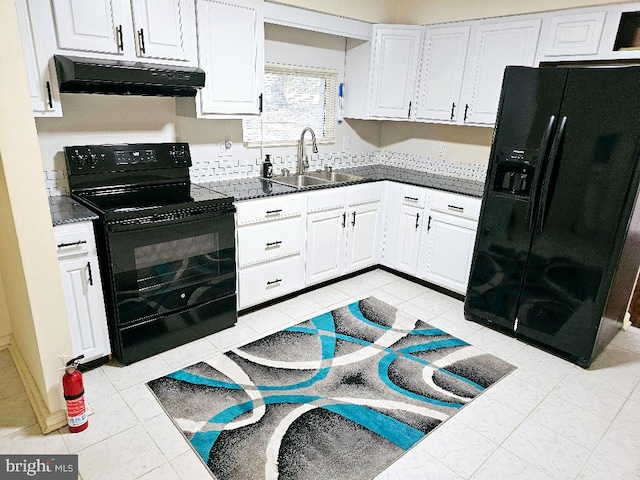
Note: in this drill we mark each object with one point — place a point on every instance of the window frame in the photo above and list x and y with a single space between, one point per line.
330 106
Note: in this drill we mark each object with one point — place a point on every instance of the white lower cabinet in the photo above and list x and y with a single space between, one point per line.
404 226
269 239
80 274
344 227
446 254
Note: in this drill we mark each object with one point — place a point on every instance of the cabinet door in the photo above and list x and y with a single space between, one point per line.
493 47
408 240
230 51
443 59
325 245
85 307
89 25
362 242
450 245
165 29
394 70
43 88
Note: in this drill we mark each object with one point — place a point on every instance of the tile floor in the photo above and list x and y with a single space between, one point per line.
547 420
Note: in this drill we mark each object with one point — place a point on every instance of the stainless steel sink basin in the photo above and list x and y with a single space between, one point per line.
315 179
336 177
300 181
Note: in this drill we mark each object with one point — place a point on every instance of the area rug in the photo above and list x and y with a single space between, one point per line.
340 396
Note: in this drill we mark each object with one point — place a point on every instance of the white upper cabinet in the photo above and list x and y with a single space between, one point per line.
394 72
159 30
231 52
494 45
89 25
443 59
43 87
572 34
164 28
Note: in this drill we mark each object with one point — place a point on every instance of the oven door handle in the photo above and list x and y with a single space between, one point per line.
151 222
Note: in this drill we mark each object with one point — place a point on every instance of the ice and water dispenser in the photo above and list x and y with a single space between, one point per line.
514 171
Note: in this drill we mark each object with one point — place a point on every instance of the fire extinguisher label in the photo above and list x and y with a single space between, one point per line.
76 413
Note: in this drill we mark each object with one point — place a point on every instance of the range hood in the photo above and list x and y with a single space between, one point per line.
116 77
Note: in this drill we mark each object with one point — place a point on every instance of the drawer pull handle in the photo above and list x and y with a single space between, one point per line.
353 222
344 219
90 274
273 282
429 224
274 244
417 220
272 212
72 244
414 199
457 209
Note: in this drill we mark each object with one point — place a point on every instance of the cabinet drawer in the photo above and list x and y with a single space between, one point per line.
371 192
413 196
329 199
74 239
259 243
453 204
271 280
264 210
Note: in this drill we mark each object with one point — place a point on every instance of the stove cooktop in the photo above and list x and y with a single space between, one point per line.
157 198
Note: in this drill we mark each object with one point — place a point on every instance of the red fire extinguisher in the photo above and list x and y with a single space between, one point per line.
73 389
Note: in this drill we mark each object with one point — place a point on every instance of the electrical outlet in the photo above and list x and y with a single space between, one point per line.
442 151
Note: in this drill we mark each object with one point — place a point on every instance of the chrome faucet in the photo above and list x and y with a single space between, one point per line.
303 160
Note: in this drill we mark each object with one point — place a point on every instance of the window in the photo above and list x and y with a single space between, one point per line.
294 98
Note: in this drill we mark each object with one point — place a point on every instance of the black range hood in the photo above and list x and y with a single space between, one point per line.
116 77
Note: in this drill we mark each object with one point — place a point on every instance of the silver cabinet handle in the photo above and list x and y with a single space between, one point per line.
273 282
274 244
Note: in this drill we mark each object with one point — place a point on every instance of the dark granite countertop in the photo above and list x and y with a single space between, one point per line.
256 187
66 210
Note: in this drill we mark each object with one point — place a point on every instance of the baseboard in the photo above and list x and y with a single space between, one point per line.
48 421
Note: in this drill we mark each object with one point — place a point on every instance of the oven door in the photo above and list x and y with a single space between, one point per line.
173 264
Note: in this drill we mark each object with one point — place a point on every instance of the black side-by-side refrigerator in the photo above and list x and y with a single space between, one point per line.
558 244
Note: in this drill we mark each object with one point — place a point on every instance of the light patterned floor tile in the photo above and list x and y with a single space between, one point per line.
591 397
504 465
31 441
571 422
458 447
142 402
621 446
163 472
124 377
547 450
232 337
190 467
419 465
126 455
490 418
168 438
111 416
15 414
266 320
599 468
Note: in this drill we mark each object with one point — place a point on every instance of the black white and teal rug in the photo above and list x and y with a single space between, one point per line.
340 396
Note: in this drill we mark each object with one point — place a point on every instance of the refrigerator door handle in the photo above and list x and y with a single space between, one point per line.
546 181
544 147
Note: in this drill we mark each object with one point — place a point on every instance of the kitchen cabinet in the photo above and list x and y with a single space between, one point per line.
270 240
82 286
571 34
344 231
394 72
443 59
447 250
493 45
404 226
158 30
38 37
231 52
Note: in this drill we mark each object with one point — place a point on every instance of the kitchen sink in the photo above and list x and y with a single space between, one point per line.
315 179
336 177
301 181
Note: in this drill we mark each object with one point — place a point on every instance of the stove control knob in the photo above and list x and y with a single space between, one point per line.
92 160
79 160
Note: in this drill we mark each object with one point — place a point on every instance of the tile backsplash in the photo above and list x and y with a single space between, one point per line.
227 169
